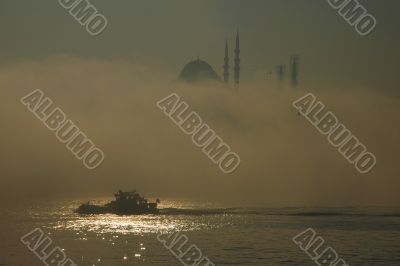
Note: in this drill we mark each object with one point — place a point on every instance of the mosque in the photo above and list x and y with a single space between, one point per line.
198 70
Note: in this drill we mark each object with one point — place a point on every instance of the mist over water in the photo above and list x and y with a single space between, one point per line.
285 161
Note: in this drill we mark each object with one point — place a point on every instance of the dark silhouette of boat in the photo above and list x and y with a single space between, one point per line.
125 203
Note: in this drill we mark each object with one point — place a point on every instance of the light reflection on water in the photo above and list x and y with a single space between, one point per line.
129 224
136 224
109 239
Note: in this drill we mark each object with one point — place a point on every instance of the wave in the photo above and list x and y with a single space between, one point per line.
325 214
176 211
270 212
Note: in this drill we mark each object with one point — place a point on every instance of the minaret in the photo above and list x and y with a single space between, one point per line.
226 64
237 61
294 68
280 69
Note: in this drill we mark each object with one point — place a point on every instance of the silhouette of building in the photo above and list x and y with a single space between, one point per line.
237 61
197 71
294 70
226 64
280 70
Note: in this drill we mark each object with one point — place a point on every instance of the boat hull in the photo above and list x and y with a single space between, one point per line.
95 209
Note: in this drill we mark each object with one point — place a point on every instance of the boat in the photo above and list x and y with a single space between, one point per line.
125 203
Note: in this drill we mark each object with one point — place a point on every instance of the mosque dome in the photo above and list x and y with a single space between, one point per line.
198 70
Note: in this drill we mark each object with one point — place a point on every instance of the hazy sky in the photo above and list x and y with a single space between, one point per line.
109 84
173 32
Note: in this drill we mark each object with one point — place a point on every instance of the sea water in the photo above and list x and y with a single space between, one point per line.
227 236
